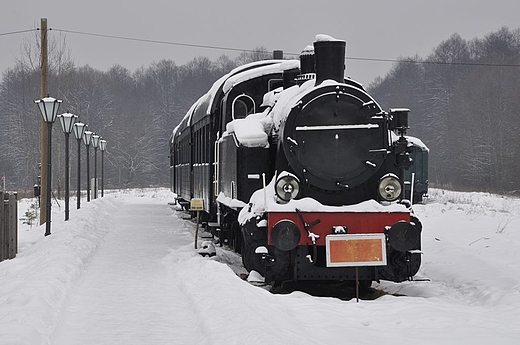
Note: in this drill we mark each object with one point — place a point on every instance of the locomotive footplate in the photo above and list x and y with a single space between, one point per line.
305 270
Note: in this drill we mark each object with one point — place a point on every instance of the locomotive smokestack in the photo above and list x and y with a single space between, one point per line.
289 77
330 59
307 60
307 69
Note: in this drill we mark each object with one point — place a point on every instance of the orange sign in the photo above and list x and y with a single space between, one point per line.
356 250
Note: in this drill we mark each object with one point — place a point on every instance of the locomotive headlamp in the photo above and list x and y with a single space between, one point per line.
287 186
389 187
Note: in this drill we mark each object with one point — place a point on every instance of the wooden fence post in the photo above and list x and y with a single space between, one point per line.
8 225
2 225
13 225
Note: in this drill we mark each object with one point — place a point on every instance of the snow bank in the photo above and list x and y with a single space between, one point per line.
471 246
35 284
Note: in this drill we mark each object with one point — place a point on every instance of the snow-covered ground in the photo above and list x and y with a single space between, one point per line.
123 270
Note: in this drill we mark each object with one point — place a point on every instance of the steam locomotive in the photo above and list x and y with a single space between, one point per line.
301 171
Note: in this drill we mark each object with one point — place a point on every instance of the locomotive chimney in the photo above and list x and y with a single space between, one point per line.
278 54
307 60
307 70
289 77
330 59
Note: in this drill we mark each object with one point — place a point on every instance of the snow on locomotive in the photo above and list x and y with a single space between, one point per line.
301 171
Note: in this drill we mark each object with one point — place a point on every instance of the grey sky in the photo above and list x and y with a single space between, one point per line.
373 29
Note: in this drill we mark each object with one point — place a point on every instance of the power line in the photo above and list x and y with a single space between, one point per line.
435 62
155 41
252 50
16 32
291 54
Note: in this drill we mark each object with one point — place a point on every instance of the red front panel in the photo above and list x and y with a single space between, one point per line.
354 222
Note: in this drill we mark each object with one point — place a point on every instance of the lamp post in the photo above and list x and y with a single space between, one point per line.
87 138
95 143
49 109
102 147
79 130
67 122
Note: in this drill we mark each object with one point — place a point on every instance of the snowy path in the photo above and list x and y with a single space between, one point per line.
127 295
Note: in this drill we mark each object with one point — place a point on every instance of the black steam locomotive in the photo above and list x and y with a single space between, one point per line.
301 171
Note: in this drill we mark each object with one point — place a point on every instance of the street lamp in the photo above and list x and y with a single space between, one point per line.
67 122
95 143
102 147
87 138
49 109
79 130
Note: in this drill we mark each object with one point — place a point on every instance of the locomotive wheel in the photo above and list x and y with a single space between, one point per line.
279 270
252 237
250 259
237 238
273 267
364 286
349 287
398 270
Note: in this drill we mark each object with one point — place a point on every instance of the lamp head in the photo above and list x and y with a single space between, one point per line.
67 122
79 130
48 108
87 137
102 144
95 140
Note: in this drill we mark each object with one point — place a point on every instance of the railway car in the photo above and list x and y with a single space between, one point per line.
301 171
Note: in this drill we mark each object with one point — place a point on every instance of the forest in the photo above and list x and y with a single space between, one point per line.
463 99
135 112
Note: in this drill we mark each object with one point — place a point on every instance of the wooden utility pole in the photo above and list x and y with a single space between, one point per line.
44 136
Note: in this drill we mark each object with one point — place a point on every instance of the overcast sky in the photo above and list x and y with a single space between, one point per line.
380 29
